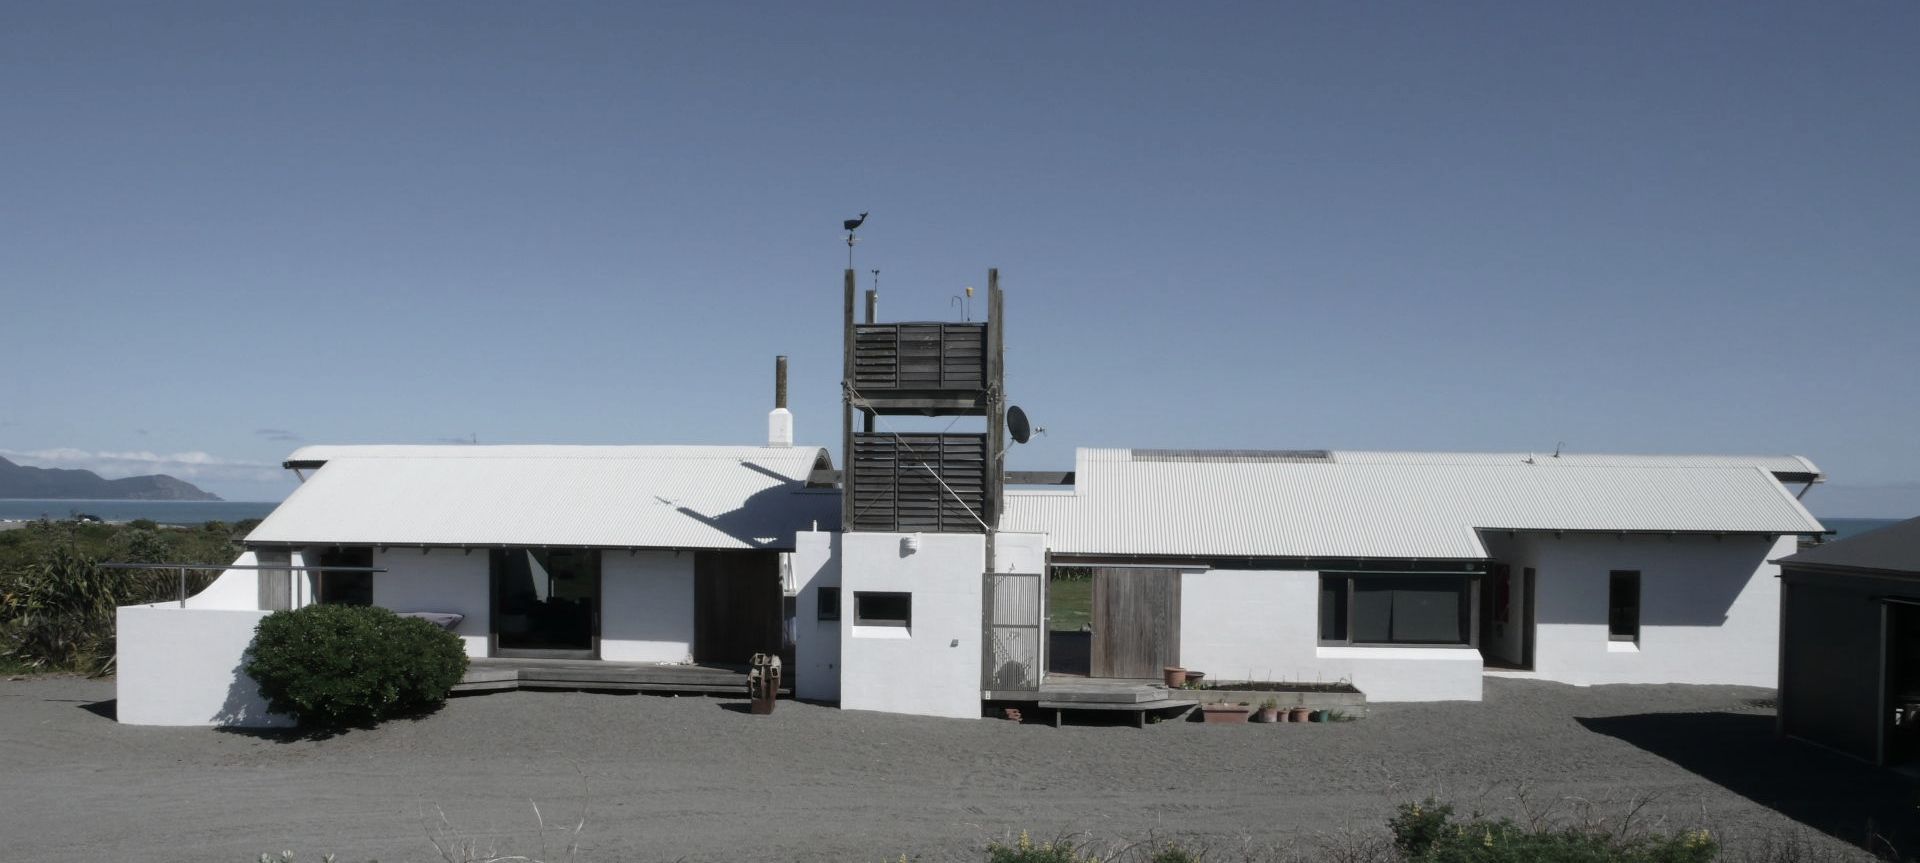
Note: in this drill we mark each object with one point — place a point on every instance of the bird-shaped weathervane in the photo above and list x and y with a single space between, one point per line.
852 225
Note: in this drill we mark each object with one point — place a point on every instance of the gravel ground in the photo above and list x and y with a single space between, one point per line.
693 778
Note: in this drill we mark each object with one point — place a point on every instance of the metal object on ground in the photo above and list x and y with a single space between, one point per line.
763 682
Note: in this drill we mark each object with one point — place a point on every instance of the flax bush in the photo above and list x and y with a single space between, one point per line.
341 666
57 613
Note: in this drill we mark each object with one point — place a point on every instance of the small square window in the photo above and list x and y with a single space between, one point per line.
883 609
828 600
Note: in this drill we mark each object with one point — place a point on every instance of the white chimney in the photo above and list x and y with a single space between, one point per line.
779 420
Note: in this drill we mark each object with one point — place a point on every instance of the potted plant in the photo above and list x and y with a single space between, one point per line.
1299 714
1217 714
1175 676
1269 710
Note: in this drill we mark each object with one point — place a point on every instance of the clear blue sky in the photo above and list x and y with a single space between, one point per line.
1663 227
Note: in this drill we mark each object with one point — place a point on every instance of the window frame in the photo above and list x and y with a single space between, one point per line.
1614 578
1469 597
859 611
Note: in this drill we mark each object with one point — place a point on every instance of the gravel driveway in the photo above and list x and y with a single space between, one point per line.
693 778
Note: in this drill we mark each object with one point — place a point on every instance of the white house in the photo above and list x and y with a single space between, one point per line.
916 579
645 554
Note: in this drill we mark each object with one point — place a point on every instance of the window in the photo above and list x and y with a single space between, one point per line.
1381 608
344 588
883 609
828 599
1623 605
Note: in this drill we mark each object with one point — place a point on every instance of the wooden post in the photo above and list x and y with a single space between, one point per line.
873 305
846 412
780 381
997 407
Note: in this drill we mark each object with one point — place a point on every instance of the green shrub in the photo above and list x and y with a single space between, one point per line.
339 666
1425 832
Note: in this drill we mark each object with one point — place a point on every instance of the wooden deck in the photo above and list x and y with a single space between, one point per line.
502 675
1062 693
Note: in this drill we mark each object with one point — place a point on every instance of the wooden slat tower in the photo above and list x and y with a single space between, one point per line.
947 482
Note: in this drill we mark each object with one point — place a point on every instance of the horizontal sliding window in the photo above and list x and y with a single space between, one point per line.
1366 608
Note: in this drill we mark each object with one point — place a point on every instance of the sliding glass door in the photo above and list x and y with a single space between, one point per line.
546 602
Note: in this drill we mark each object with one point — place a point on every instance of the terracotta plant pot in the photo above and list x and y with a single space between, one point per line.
1299 714
1175 676
1225 714
1267 714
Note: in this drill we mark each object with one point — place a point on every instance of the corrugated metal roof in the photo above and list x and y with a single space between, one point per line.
717 497
1406 509
1777 464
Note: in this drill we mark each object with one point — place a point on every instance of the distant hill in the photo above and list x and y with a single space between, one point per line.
20 481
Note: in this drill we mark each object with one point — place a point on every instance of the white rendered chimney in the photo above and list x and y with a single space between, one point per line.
779 420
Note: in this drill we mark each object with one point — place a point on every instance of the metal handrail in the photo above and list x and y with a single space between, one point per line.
183 567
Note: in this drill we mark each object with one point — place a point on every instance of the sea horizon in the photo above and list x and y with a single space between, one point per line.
159 511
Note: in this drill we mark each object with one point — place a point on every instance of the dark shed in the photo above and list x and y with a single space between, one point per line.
1850 644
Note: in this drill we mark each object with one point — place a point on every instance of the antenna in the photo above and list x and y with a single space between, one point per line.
1556 448
851 225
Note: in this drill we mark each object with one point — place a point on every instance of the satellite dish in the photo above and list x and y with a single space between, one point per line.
1017 424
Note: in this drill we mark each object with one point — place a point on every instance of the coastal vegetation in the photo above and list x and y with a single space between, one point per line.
57 602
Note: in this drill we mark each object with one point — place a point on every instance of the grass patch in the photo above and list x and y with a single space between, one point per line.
1069 602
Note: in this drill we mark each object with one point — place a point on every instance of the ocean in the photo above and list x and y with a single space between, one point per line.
161 511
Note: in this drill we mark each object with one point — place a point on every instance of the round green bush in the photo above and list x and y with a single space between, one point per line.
339 666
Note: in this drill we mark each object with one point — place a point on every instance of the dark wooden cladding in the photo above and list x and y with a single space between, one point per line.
1136 622
891 486
919 356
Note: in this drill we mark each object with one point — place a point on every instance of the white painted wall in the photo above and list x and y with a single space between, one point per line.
445 580
234 589
1709 607
816 650
647 606
181 666
934 668
1265 625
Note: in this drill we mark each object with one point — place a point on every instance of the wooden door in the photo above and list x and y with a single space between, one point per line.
1136 622
737 606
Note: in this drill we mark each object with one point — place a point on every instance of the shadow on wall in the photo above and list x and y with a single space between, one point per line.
758 512
1849 800
244 708
1685 583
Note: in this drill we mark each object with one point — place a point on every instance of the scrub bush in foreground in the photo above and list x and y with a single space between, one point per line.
341 666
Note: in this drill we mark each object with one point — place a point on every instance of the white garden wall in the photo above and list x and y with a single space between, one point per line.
816 660
443 580
647 606
1265 625
1709 606
933 667
181 666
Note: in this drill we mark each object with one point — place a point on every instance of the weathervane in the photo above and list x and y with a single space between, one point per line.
852 225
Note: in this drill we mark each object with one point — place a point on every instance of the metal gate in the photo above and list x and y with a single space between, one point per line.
1015 632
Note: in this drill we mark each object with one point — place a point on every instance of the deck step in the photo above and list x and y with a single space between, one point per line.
504 675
